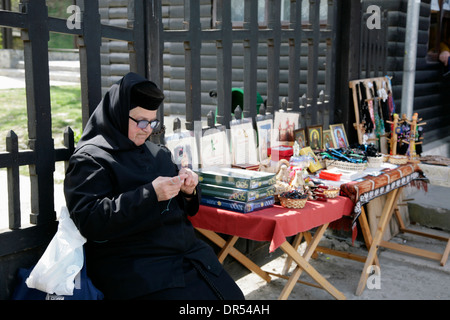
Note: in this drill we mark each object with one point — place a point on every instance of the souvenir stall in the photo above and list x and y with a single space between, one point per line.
269 179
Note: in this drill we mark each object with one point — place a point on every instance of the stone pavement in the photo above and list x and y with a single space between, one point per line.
401 277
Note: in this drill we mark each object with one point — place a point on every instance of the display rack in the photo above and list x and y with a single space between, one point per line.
359 125
414 123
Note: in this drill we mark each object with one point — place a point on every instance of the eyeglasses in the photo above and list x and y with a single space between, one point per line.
142 124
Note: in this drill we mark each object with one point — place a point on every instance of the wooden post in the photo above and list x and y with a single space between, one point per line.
313 63
250 58
192 51
394 136
90 65
12 146
273 55
412 137
224 62
295 43
35 40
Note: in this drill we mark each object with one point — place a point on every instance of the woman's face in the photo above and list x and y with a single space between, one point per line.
136 134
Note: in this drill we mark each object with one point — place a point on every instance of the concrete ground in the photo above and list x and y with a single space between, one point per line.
401 277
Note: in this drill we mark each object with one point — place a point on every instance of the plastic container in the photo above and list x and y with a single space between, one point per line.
280 152
326 175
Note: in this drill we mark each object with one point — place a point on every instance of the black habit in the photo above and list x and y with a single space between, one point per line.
136 246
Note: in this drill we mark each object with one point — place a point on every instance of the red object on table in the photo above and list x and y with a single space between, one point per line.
324 174
273 224
280 152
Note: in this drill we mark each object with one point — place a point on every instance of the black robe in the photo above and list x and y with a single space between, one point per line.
134 245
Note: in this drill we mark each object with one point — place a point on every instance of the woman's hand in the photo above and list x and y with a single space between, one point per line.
168 187
190 181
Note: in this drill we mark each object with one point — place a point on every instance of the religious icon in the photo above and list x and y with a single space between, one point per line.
264 137
315 137
327 140
339 136
299 136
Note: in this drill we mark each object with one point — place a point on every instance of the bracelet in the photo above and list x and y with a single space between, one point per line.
190 195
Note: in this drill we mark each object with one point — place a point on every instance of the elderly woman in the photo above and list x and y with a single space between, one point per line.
130 201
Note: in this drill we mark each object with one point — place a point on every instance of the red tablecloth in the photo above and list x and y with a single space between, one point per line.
273 224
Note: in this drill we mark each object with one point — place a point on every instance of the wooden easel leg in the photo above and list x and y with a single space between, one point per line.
424 253
384 219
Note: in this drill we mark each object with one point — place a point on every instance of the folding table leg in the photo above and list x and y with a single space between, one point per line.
303 265
295 244
227 248
383 222
445 254
366 232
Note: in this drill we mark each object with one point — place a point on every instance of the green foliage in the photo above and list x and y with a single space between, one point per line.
57 9
65 108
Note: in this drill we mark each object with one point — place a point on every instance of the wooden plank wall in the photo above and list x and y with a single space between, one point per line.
432 93
264 56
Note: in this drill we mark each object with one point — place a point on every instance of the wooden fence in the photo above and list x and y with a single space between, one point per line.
145 35
319 39
20 247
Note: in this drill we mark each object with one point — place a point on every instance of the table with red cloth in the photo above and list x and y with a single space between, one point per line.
274 224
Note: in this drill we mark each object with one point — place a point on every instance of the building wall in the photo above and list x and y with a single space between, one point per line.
115 58
432 93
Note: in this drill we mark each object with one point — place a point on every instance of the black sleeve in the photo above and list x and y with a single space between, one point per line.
192 205
98 215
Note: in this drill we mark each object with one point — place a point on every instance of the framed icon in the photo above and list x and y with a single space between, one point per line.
243 143
284 125
300 137
339 136
327 142
215 149
264 137
315 137
314 165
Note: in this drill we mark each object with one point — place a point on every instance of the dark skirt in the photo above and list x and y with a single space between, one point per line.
200 285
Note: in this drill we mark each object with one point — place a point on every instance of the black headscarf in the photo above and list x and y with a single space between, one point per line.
107 127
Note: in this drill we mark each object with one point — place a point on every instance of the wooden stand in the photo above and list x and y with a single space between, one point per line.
412 137
359 126
389 209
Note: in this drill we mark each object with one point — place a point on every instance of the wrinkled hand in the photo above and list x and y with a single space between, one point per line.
190 182
168 187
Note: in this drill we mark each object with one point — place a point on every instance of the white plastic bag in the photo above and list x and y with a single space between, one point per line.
63 259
